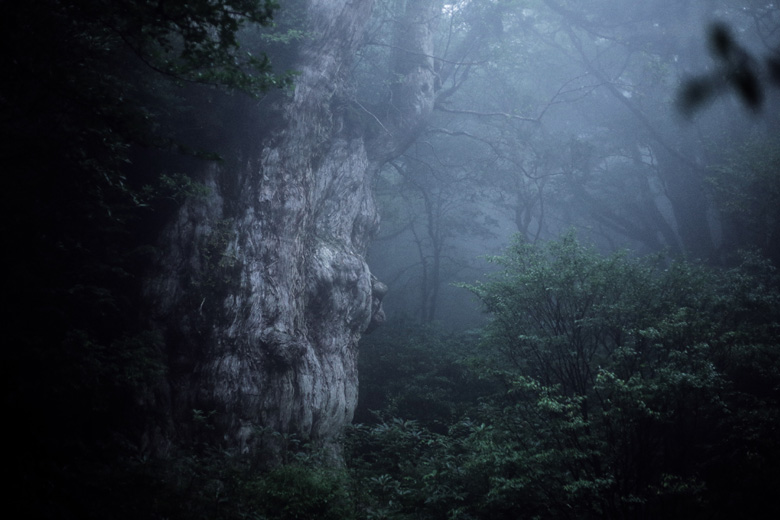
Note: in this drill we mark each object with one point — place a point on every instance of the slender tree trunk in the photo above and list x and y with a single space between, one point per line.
262 291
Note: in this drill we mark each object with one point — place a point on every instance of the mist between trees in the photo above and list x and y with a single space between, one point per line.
392 259
577 117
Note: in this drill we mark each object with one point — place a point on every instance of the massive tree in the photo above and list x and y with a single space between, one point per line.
262 291
245 317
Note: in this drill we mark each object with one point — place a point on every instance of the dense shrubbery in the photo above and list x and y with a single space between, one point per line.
621 388
418 372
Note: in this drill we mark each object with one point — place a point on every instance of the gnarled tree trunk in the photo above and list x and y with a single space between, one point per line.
262 291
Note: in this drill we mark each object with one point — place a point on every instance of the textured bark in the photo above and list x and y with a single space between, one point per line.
263 291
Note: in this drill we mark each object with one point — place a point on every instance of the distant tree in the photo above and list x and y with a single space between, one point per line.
429 200
433 216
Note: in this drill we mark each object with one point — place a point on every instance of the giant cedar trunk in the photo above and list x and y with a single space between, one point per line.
262 291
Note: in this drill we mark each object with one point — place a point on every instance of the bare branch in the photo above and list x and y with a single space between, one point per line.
367 111
425 55
487 114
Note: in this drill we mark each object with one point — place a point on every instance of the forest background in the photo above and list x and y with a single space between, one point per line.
613 166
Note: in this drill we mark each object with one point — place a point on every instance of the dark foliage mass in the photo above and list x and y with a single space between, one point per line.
604 387
98 129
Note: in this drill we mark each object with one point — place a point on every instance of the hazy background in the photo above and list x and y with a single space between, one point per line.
558 115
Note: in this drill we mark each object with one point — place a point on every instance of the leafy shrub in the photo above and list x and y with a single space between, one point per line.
417 372
620 375
296 492
603 387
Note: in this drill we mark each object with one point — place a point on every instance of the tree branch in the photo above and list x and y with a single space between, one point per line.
487 114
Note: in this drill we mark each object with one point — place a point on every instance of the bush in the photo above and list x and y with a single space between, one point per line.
604 386
296 492
623 378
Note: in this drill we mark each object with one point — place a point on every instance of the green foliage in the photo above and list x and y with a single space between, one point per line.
302 493
403 470
416 384
206 482
176 187
417 372
623 369
220 484
84 82
614 387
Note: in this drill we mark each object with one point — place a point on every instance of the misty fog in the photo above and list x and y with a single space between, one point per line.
557 116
